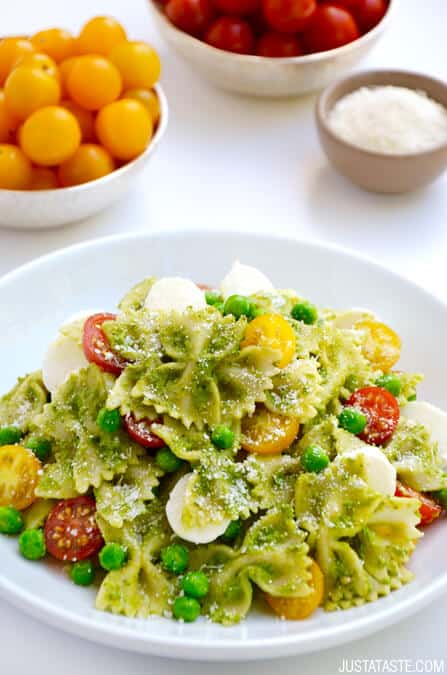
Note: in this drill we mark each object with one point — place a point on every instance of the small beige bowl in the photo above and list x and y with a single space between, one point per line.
262 76
376 171
40 209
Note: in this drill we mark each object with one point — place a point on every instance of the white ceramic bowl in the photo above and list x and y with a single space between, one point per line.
53 208
267 77
37 298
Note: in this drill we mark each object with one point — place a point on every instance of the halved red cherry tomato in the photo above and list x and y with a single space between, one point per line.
191 16
97 347
428 509
381 410
231 34
237 7
277 45
71 531
367 13
289 16
331 27
141 432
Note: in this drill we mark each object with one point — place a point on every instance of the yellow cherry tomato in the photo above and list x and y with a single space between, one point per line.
138 64
11 49
100 35
41 61
15 168
85 118
300 608
149 99
267 433
273 331
64 73
124 128
19 474
43 179
50 136
56 42
8 123
382 346
94 82
28 89
89 162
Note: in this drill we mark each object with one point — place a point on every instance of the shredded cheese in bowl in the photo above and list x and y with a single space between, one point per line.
389 119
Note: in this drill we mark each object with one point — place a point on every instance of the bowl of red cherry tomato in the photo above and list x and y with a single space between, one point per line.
272 48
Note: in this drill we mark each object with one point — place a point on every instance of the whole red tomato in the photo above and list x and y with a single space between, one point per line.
367 13
231 34
191 16
278 45
331 27
289 16
237 7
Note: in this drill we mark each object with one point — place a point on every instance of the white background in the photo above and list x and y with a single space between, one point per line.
233 162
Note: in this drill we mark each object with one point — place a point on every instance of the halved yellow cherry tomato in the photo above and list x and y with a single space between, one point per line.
19 473
300 608
273 331
382 345
267 433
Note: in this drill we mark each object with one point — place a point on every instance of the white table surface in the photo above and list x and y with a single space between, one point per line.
234 162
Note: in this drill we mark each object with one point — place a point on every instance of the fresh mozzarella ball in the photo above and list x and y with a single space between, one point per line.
431 417
64 356
174 511
347 320
244 280
174 294
378 472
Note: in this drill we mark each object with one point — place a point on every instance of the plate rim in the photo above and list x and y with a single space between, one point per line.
175 646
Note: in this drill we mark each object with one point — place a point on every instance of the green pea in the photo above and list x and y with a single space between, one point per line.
186 609
195 584
32 544
167 461
233 531
413 397
113 556
223 437
213 298
256 311
175 558
314 459
353 420
109 420
391 383
238 305
41 448
82 573
441 497
10 435
11 521
305 312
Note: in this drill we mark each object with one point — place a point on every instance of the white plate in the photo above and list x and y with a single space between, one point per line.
35 300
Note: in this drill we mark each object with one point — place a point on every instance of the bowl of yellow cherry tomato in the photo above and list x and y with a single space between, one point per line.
80 116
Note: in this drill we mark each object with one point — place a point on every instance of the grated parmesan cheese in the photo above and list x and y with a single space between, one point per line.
393 120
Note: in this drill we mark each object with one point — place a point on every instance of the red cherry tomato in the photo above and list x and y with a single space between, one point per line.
204 287
367 13
278 45
191 16
289 16
141 432
71 532
331 27
382 413
428 509
96 345
237 7
231 34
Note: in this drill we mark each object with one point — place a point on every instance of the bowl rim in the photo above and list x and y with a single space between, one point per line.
116 173
361 79
305 58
